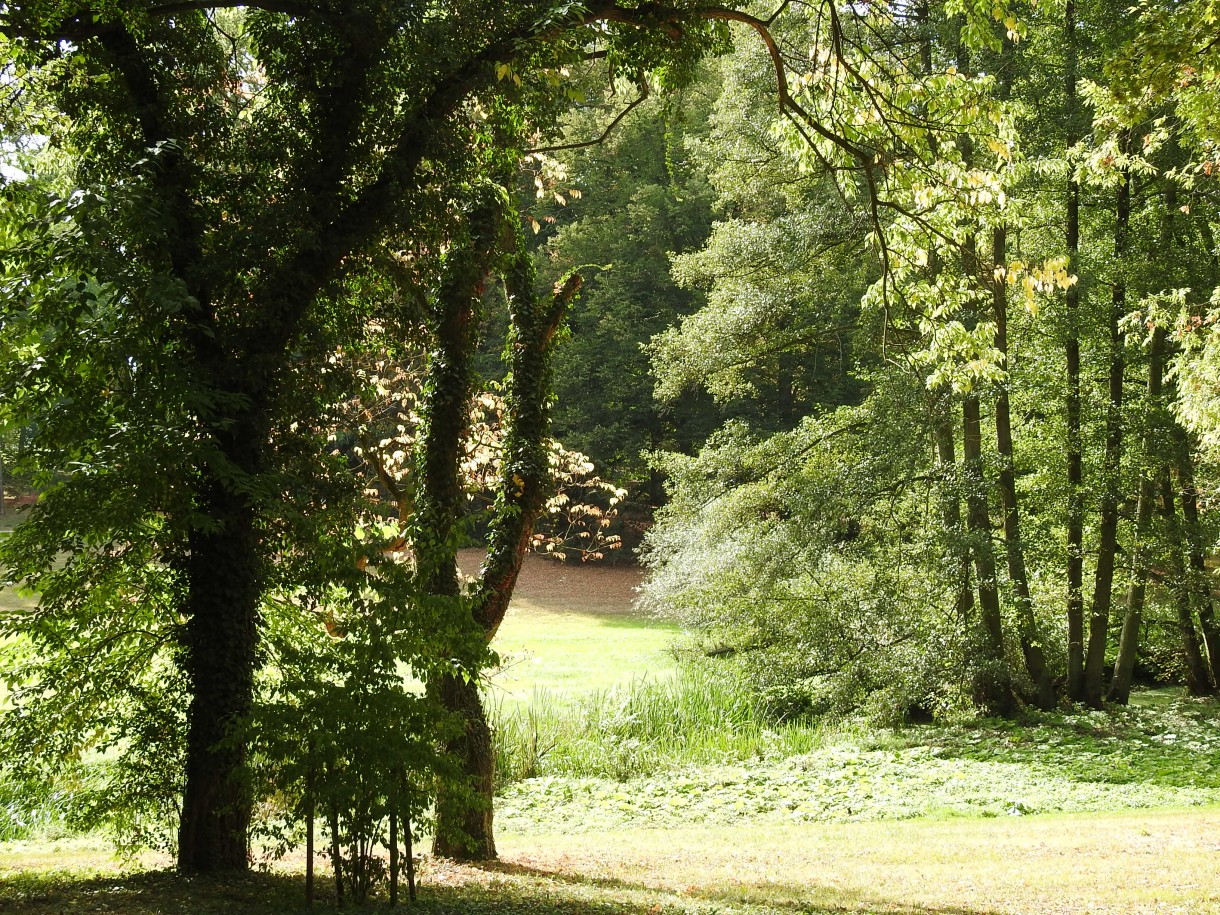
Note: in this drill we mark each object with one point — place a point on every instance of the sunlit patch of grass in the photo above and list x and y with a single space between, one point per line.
562 651
1117 863
11 601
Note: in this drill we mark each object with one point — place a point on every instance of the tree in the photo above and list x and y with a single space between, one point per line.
645 200
251 156
1004 317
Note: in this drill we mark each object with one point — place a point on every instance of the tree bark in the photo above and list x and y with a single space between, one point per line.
1107 548
220 640
464 829
1075 462
1198 676
951 513
525 484
1200 578
1031 640
993 689
1128 646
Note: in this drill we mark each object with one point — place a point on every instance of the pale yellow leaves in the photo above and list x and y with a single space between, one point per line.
1035 279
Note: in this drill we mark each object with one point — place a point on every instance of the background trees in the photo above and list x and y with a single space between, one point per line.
1035 267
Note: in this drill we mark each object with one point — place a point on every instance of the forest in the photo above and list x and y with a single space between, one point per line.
610 456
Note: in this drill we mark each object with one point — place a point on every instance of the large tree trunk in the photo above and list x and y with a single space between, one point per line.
1128 646
1075 462
1107 548
220 640
465 817
464 828
1031 640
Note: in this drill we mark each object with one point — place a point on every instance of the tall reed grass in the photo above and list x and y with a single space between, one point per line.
694 718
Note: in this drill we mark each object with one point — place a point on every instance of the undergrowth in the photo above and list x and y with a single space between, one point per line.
693 718
1117 759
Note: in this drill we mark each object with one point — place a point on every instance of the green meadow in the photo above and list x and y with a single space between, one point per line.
635 783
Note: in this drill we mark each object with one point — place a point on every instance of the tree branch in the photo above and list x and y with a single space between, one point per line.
605 133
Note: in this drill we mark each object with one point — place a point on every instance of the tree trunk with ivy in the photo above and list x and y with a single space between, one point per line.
463 830
465 817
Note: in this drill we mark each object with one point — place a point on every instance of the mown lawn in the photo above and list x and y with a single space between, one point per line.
571 629
563 653
1128 863
9 600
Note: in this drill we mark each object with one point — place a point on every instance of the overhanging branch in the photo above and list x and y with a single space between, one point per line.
605 133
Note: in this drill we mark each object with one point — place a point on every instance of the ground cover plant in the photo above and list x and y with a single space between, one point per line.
1169 758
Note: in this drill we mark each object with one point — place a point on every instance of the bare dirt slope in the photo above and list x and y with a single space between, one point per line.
569 586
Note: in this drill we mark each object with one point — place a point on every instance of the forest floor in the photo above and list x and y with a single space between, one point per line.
1090 812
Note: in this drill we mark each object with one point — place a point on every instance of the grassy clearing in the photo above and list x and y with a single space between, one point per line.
559 652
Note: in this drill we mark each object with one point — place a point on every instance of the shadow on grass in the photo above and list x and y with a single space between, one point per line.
746 897
497 889
147 893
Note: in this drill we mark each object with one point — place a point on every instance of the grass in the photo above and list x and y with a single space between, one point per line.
635 786
1131 862
1095 762
691 717
551 649
1118 864
10 600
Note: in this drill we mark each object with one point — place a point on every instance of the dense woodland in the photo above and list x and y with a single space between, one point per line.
891 324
